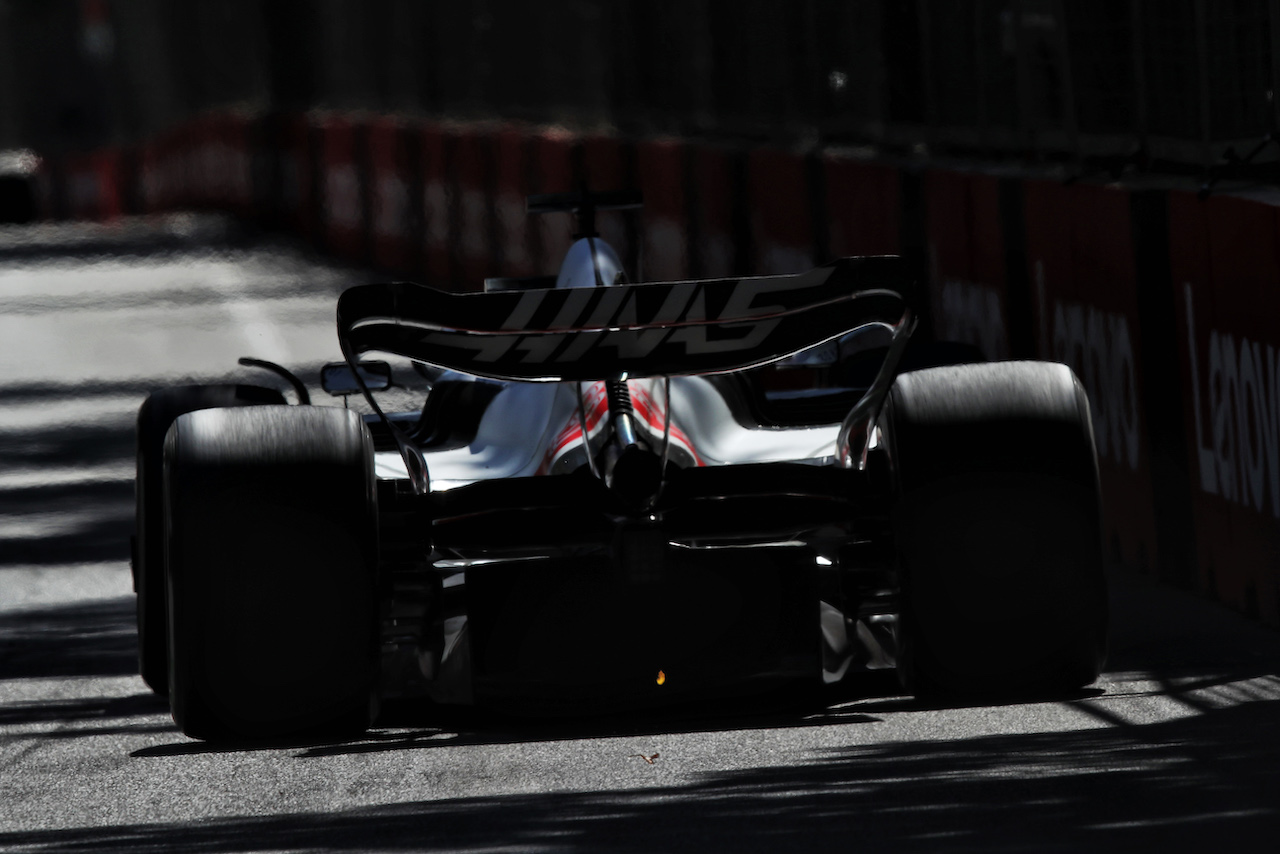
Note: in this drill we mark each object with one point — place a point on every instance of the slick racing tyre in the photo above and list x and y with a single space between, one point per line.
271 543
998 528
158 411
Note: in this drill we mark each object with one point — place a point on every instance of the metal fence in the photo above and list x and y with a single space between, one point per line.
1176 81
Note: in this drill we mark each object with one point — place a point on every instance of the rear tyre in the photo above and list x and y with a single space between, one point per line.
157 413
998 526
271 545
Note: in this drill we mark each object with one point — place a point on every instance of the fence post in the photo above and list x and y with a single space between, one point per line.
1140 72
1026 128
1070 125
1202 80
927 89
980 66
1273 20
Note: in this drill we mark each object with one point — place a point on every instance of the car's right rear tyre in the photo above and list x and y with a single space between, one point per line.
997 520
271 532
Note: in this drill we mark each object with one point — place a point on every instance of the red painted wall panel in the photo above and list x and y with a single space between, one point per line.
966 260
511 147
781 221
863 207
390 224
712 213
437 206
343 210
607 161
1226 277
471 171
660 172
1084 280
553 173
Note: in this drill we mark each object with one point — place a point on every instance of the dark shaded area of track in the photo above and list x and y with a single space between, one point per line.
94 639
1181 785
1184 786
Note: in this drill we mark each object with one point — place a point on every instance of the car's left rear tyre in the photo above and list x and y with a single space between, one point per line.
271 550
156 415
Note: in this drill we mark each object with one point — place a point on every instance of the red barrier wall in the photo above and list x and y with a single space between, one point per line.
1225 275
660 171
219 167
714 252
297 184
160 172
437 205
781 222
966 260
390 226
471 172
608 163
511 187
92 184
343 194
1082 269
552 173
864 207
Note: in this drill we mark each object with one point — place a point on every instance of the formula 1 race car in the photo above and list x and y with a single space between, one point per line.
599 505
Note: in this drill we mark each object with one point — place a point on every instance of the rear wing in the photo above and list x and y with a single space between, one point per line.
662 329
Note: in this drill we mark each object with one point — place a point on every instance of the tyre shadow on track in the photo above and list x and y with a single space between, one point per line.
1195 781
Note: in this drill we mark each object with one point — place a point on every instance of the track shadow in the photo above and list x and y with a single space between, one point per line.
96 638
1198 781
87 710
83 444
128 236
427 727
67 524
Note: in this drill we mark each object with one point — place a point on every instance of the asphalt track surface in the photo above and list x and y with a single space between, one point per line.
1177 748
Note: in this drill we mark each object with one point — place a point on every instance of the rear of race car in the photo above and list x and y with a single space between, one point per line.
597 507
675 550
